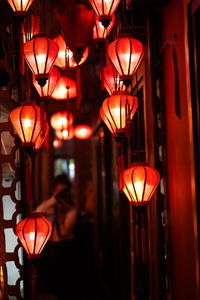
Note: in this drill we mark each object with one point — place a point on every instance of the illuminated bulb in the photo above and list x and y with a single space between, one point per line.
32 235
27 123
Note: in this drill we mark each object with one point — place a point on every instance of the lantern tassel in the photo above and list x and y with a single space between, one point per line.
78 83
120 165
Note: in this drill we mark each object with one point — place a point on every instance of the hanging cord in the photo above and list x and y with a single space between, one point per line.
33 182
120 163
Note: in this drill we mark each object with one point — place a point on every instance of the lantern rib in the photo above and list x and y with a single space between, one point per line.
14 5
35 236
102 4
21 125
111 126
139 61
112 116
47 235
130 195
23 234
109 13
137 200
35 57
155 186
25 8
47 55
118 60
35 121
145 183
131 48
96 7
120 107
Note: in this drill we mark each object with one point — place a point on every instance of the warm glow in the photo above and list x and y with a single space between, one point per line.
83 132
117 111
65 89
40 53
26 119
140 182
57 143
27 123
20 6
46 91
33 233
66 134
99 31
126 54
65 55
61 120
111 79
104 7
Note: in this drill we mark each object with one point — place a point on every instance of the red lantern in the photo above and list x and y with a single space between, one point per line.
65 134
140 182
40 53
27 120
33 233
105 9
46 91
30 27
83 132
117 111
41 137
61 120
99 31
111 79
126 54
65 89
20 7
57 143
80 22
65 55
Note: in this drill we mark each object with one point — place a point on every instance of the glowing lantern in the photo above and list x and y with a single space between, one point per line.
65 89
41 137
61 120
105 9
83 132
65 55
126 54
27 120
117 111
140 182
40 53
20 7
65 134
30 27
99 31
57 143
33 233
46 91
111 80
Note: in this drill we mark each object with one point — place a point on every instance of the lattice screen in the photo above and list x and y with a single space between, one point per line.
11 264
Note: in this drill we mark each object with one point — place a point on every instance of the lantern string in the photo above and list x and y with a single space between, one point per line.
33 181
120 164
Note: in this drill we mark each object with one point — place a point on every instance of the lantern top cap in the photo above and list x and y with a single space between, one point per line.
27 103
35 215
138 164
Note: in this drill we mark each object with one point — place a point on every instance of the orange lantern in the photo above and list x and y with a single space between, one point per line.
99 31
30 27
20 7
111 79
140 182
41 137
27 120
57 143
65 89
61 120
105 9
126 54
65 134
33 233
65 55
83 132
117 112
46 91
40 53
